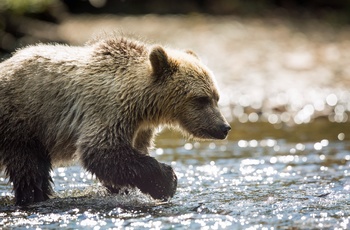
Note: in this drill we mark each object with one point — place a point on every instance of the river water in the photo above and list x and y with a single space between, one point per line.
263 183
286 162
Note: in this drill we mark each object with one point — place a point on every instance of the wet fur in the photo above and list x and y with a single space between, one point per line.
99 104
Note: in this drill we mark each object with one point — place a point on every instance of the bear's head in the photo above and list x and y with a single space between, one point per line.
188 95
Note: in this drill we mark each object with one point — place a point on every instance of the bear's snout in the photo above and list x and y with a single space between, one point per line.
220 131
225 128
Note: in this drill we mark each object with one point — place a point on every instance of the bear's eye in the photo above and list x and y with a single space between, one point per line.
202 100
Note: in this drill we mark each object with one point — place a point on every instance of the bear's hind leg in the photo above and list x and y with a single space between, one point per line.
28 166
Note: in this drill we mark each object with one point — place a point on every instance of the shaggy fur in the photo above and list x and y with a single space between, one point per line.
100 104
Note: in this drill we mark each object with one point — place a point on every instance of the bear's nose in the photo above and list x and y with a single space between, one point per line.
225 128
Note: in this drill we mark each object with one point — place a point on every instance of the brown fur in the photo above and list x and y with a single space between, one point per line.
100 104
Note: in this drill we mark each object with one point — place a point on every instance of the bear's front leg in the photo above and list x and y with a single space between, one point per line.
122 165
144 140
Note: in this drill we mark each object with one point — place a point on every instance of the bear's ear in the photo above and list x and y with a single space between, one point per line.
190 52
159 61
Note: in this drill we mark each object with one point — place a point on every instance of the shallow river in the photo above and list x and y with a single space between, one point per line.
264 182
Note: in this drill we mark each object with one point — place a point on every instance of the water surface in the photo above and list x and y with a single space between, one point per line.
301 181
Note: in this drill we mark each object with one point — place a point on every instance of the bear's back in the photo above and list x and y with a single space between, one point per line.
50 87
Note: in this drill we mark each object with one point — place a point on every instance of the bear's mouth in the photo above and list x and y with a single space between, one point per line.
213 134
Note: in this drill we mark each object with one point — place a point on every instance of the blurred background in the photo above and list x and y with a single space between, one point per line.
276 61
24 22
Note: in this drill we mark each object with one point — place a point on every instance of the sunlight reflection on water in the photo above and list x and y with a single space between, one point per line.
293 106
300 185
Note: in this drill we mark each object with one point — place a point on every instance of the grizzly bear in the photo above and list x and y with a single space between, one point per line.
101 104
